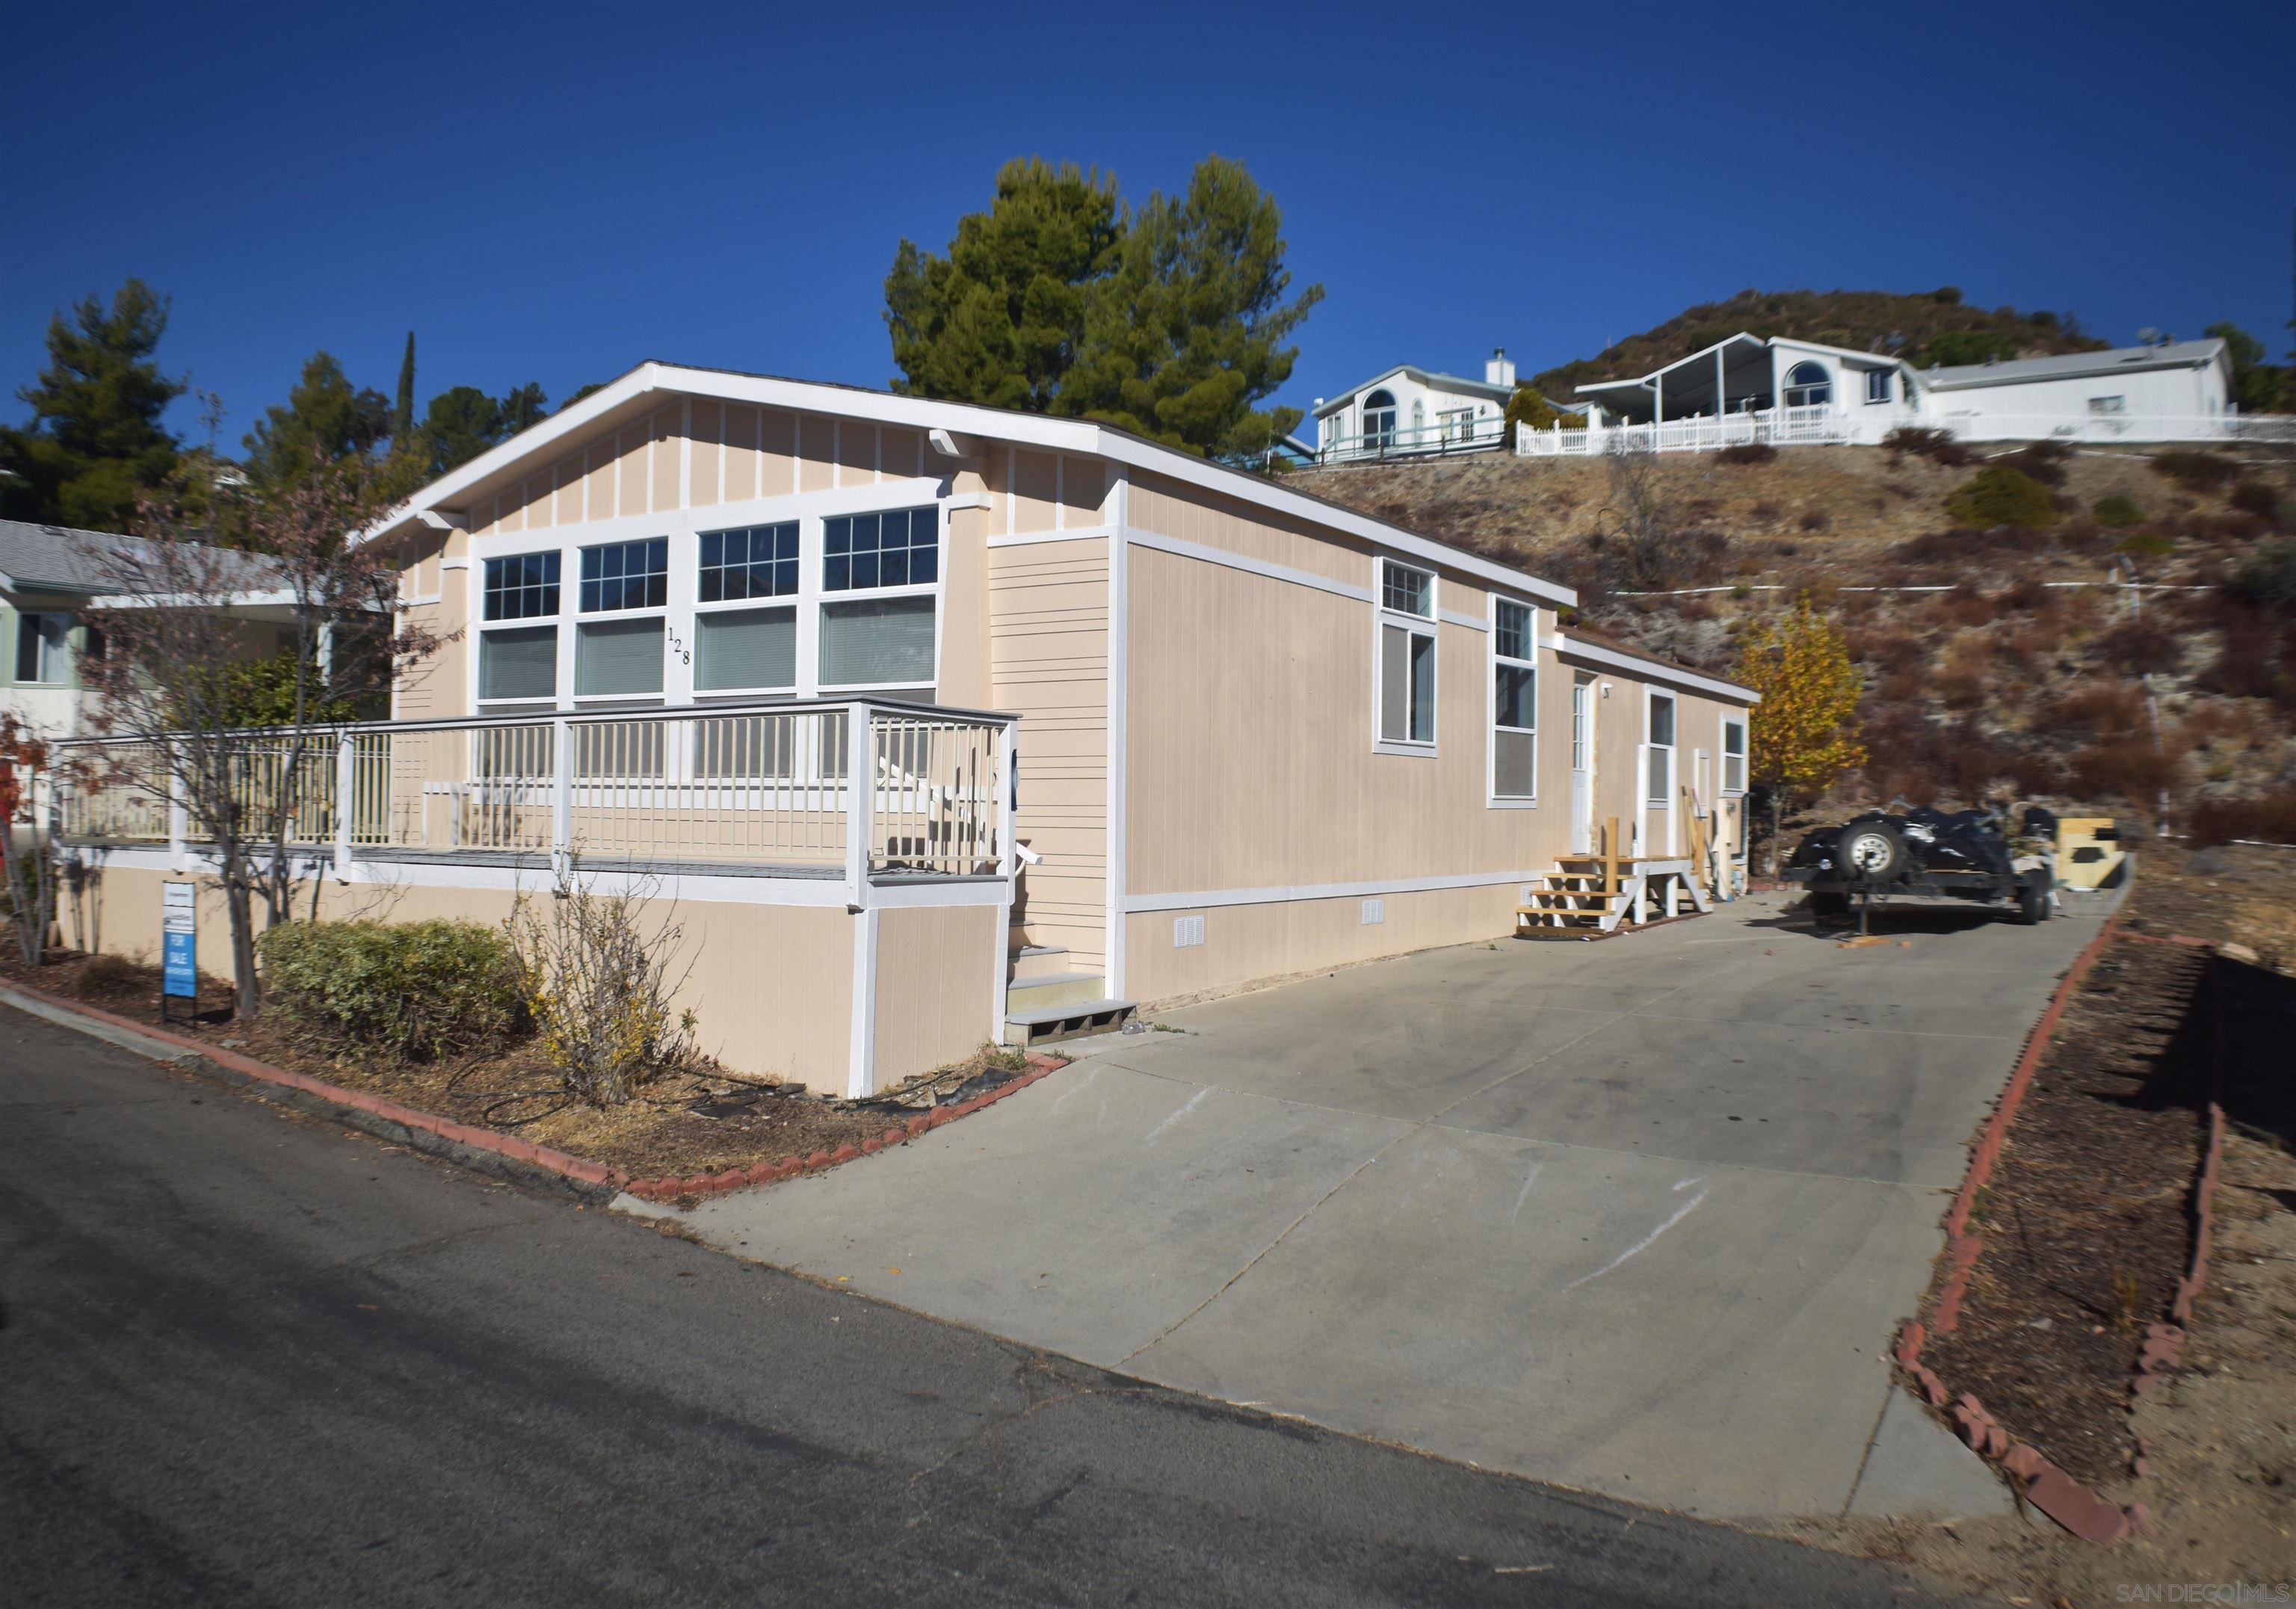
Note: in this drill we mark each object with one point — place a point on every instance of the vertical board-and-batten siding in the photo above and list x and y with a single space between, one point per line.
723 453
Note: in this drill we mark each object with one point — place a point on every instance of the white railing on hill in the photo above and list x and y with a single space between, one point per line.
1823 424
737 786
1423 441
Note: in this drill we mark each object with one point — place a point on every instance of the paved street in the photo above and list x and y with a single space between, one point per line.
1638 1217
246 1358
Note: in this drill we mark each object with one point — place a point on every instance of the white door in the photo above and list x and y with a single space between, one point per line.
1582 767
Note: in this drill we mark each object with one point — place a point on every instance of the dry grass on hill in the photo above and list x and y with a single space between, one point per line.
2005 684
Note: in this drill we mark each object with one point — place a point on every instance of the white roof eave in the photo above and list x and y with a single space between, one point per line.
922 414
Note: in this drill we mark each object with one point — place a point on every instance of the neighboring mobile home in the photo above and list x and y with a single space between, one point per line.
1139 726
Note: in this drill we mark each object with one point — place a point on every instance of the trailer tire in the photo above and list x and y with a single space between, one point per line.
1827 902
1870 852
2033 901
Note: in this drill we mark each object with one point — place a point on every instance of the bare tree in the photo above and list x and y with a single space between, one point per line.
1644 539
244 740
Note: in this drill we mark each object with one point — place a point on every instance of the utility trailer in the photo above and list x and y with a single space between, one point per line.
1918 853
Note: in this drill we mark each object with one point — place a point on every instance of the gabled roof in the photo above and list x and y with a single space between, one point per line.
2078 366
60 558
1882 359
644 388
1434 380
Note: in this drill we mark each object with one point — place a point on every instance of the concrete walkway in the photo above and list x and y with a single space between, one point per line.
1638 1217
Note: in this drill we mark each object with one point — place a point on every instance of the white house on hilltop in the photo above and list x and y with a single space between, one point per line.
1406 411
1785 392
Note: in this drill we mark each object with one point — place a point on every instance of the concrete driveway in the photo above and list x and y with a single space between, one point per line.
1639 1216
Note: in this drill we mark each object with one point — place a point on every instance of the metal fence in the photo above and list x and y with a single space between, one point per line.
1430 440
762 785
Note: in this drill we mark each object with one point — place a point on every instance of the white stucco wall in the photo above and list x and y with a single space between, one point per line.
2185 393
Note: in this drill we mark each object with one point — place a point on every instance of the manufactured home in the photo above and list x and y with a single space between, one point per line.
942 724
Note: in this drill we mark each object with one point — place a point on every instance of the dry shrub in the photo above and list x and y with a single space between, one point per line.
2239 723
597 972
1770 513
2125 766
2257 658
2026 595
1902 688
2230 526
2195 469
2141 647
105 975
1886 648
2270 818
1959 683
2044 461
1696 608
1936 446
1750 452
1959 547
1815 519
2259 499
1966 605
2098 708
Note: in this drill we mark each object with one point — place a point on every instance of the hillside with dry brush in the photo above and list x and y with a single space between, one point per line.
2021 671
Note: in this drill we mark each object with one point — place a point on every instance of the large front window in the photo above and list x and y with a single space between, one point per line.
887 640
1808 385
622 658
1379 420
759 562
865 551
1514 701
520 662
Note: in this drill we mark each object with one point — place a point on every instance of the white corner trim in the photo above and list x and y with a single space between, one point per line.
1134 536
1142 904
1653 670
1119 700
861 1068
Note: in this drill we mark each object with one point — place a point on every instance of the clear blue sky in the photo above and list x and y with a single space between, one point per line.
556 192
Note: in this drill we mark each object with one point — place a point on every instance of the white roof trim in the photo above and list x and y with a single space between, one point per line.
1875 359
1688 680
918 413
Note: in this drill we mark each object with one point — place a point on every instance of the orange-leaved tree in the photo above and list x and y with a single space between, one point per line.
1804 733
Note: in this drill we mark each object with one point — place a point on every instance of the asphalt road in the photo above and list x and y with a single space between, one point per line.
246 1358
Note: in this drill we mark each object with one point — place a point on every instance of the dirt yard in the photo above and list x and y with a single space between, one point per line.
2085 1197
682 1124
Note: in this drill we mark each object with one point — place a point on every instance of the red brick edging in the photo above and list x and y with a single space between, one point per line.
2072 1504
550 1160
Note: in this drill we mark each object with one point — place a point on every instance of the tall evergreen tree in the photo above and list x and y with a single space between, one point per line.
1001 318
1192 330
402 415
95 443
1173 323
323 416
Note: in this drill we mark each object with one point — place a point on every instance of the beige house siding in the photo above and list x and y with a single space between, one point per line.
438 686
934 973
1251 944
768 982
1047 611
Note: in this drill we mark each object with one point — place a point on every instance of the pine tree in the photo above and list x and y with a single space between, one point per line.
94 444
402 416
323 416
1172 323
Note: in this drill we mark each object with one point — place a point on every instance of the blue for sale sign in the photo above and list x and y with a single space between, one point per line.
179 939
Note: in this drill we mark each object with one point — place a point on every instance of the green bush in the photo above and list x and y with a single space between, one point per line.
2118 511
1528 410
415 990
1998 494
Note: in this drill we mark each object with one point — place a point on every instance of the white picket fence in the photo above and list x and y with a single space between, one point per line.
1823 424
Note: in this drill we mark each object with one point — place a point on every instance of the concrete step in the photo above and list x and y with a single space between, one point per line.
1037 960
1053 989
1025 1028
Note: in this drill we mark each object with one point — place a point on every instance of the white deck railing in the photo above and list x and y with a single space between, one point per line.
1430 440
752 786
1823 424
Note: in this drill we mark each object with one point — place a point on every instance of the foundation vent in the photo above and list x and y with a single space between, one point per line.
1187 931
1373 911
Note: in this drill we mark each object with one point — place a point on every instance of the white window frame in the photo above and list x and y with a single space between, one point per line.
1744 757
671 648
1427 625
1889 391
1492 798
793 601
1651 747
560 683
684 527
2108 407
824 599
51 668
